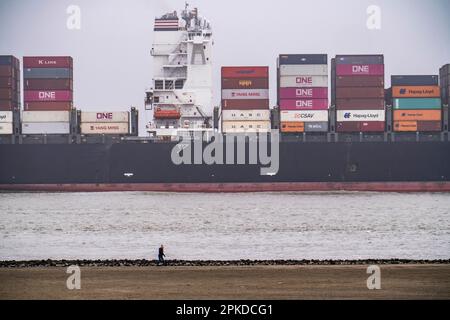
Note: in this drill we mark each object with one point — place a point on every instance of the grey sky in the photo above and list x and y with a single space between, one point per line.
112 62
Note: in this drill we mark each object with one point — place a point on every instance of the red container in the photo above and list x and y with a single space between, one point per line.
245 104
360 104
375 126
256 83
6 71
360 70
303 93
304 104
361 93
8 105
48 95
46 84
7 82
48 62
348 127
47 106
245 72
7 94
361 81
429 126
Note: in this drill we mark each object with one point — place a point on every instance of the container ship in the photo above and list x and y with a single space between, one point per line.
362 137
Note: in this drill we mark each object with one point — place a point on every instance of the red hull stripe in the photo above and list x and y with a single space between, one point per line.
237 187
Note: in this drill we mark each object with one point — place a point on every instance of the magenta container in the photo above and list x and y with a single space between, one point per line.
48 62
303 93
48 95
360 69
304 104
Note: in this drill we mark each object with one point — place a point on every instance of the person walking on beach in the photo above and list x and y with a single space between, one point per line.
161 255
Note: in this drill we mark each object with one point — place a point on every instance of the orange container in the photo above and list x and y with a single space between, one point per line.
292 127
405 126
417 115
416 92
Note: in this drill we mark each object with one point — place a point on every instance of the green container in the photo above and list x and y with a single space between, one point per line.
417 104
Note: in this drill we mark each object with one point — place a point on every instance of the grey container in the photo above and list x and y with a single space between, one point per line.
444 72
444 77
47 73
445 94
293 59
360 59
415 80
316 126
333 81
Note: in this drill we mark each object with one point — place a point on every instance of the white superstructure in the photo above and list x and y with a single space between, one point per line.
181 100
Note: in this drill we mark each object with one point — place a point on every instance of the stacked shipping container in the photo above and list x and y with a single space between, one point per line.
358 93
45 122
9 92
48 86
444 74
303 93
245 99
6 122
48 83
417 104
114 123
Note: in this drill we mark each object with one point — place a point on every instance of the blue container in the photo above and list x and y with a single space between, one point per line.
47 73
6 60
415 80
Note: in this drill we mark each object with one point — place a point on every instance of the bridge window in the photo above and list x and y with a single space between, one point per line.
169 85
159 85
179 84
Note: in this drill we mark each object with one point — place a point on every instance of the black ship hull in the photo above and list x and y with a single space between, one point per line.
368 166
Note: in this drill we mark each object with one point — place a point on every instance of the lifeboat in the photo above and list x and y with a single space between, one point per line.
167 114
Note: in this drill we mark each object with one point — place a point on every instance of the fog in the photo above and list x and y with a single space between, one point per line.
111 51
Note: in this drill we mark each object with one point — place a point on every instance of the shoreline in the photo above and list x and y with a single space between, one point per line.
11 264
270 282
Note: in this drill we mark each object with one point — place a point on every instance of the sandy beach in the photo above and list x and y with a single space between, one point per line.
233 282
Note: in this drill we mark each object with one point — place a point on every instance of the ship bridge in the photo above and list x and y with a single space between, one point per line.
182 75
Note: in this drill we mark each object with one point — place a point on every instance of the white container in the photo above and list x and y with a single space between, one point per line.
306 69
304 116
104 117
245 126
104 128
360 115
245 94
246 115
46 128
6 117
303 81
45 116
6 128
